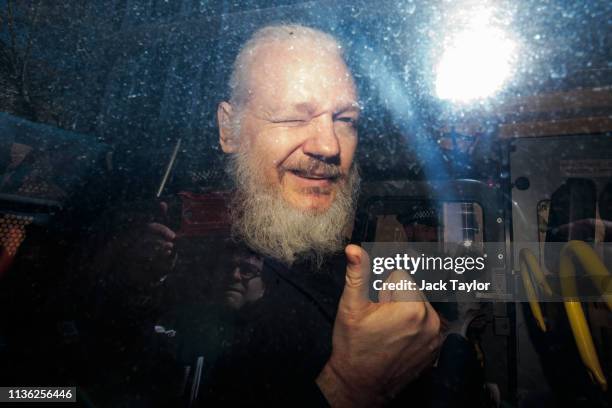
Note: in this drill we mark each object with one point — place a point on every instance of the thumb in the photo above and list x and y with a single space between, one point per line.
162 212
356 289
163 208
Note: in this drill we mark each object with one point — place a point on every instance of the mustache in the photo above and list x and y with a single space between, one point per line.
314 168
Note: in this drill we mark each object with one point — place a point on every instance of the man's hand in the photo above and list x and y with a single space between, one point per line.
157 240
146 250
160 235
377 347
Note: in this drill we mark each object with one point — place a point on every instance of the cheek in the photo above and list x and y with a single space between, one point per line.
271 149
348 146
255 289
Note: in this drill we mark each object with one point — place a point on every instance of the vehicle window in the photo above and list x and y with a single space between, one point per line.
180 180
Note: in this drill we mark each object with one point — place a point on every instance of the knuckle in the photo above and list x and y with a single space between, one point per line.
418 313
435 323
352 320
354 281
350 323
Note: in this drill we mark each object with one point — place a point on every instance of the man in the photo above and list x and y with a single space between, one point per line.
290 130
239 278
192 337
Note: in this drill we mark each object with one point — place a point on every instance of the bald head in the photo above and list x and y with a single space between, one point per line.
259 49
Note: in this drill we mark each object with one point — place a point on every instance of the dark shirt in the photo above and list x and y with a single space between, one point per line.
281 341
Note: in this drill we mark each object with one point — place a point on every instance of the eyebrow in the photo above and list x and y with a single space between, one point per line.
351 107
310 109
305 107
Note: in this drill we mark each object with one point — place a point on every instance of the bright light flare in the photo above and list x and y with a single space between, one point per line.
476 62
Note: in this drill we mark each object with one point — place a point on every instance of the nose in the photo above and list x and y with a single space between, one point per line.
236 275
322 142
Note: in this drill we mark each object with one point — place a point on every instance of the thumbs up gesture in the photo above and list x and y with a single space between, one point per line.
378 348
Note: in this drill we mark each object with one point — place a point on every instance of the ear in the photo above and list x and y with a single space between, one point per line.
227 139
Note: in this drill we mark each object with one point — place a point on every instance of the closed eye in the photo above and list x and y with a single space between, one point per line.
346 119
290 122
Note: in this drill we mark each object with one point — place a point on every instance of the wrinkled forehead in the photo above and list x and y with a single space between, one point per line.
286 73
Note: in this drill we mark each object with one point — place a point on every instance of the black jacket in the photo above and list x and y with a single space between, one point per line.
273 351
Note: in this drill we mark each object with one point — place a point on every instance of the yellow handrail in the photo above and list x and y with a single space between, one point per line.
592 266
530 267
579 251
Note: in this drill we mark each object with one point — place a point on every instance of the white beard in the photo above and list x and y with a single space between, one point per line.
269 225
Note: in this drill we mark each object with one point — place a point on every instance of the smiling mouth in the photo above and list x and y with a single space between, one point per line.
314 176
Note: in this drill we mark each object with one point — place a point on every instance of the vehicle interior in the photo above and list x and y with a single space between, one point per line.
483 122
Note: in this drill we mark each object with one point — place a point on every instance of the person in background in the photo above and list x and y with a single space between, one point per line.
239 278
